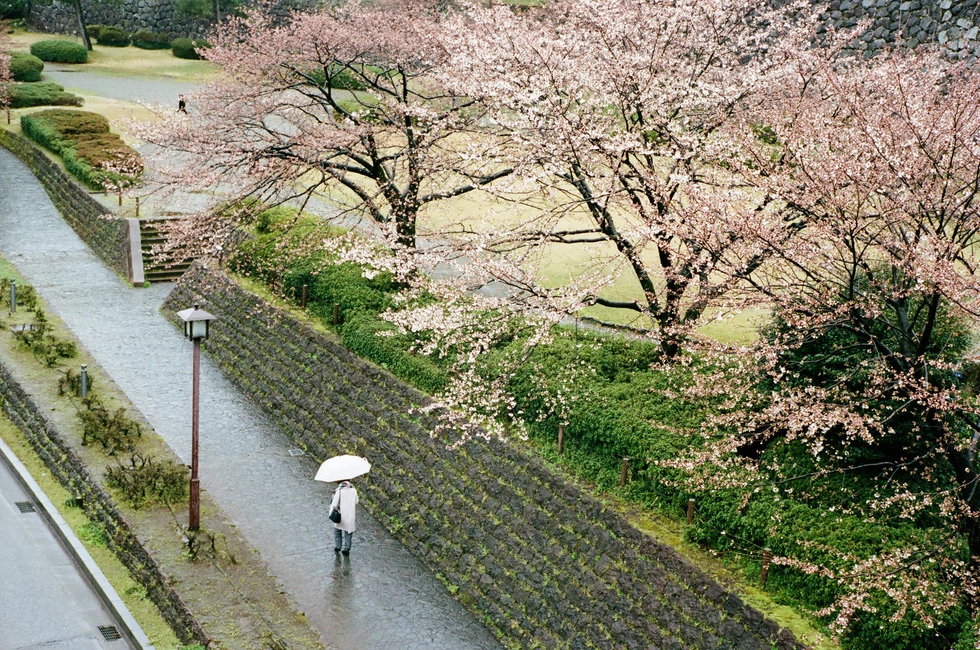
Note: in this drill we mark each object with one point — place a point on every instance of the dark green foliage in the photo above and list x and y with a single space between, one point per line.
341 79
144 482
82 139
151 40
360 335
41 94
114 430
13 9
25 67
94 31
113 37
185 48
59 51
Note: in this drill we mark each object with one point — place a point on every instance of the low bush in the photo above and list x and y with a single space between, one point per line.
83 141
114 430
26 95
151 40
143 481
59 51
94 31
341 79
25 67
113 37
185 48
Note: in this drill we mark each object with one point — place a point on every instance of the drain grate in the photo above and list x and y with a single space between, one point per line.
109 632
297 452
25 506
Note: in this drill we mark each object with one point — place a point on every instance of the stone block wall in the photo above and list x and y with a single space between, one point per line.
952 24
106 235
65 466
132 16
540 562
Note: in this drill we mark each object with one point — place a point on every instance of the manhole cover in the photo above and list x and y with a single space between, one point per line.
109 632
296 452
25 506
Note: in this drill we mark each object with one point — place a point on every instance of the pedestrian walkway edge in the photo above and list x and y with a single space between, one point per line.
130 627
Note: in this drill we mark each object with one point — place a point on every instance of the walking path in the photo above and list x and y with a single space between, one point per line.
382 597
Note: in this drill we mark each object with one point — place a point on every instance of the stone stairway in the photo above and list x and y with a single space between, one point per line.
160 264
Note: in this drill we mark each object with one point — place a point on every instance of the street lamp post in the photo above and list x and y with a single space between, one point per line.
196 328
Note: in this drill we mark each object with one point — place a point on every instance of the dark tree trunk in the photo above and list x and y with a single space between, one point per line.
81 25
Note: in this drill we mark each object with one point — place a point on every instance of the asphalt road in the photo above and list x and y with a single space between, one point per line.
45 601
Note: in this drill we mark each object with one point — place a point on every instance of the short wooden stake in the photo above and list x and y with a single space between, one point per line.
120 196
561 438
137 206
624 472
766 561
336 313
690 511
303 304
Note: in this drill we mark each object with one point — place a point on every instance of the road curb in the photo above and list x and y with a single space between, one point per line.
107 593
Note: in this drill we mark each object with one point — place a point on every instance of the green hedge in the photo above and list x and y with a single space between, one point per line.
185 48
59 51
620 404
26 95
25 67
82 139
113 37
94 31
151 40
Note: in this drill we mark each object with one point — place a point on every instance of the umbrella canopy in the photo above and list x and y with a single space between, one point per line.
342 468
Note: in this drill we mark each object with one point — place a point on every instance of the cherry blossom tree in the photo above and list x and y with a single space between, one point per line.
617 109
869 366
6 76
342 102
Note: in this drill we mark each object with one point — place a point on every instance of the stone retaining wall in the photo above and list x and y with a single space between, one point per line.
158 16
105 234
953 24
65 466
541 563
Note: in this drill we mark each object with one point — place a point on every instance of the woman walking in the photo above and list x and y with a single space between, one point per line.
344 500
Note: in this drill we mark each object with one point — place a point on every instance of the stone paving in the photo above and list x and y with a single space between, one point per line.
380 597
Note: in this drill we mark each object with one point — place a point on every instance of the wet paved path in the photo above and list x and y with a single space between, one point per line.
381 597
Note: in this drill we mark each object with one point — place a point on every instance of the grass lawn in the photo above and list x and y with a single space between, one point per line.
124 61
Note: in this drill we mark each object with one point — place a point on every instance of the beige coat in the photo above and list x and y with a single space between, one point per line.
346 497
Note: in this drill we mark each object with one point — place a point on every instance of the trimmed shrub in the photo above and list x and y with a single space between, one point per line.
185 48
113 37
82 139
41 94
58 51
151 40
25 67
94 31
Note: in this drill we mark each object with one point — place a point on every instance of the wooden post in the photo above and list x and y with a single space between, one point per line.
561 437
303 304
336 314
137 206
690 511
120 196
624 471
766 560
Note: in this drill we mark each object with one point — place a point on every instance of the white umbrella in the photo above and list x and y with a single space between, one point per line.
342 468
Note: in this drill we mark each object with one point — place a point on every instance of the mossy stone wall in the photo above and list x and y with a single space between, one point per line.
539 561
70 471
105 234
